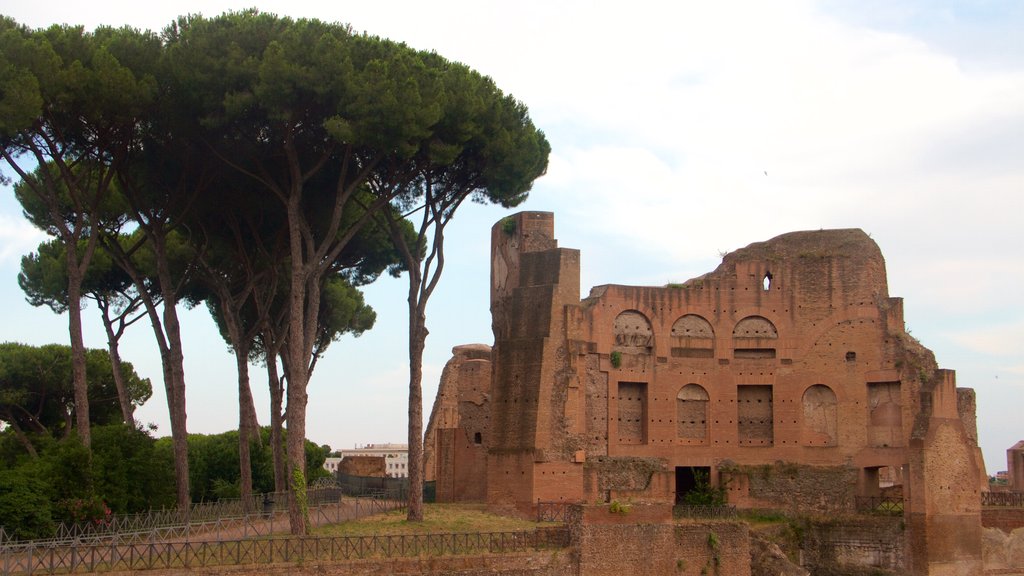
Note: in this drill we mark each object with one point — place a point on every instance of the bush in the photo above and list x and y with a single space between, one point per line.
703 493
24 505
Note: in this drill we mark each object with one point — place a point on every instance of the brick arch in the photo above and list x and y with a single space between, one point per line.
633 333
755 327
692 326
820 409
692 412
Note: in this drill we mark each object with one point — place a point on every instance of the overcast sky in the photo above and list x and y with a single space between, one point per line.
679 131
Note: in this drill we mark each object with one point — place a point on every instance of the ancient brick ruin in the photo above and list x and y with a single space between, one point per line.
785 377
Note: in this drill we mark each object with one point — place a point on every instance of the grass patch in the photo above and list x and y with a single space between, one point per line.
436 518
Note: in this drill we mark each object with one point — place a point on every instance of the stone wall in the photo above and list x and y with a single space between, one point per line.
793 487
461 405
685 549
1005 519
1003 552
372 466
853 542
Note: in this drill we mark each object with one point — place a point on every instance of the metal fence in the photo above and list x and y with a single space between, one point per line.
704 511
1008 499
186 555
879 505
552 511
326 505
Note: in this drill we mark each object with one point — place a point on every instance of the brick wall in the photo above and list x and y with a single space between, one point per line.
798 488
1006 519
860 542
687 549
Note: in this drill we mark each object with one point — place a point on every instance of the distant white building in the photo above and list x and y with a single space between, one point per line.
396 458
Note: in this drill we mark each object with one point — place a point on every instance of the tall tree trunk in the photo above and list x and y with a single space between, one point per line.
417 342
277 424
176 400
81 385
297 361
168 338
127 409
247 422
247 425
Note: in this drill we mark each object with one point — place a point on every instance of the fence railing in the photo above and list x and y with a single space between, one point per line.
553 511
326 506
186 555
704 511
1009 499
879 504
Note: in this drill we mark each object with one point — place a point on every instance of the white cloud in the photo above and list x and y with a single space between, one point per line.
17 238
994 340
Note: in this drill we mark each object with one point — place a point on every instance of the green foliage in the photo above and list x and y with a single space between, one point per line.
36 393
616 359
89 510
301 498
508 225
703 493
214 468
25 507
620 508
714 557
128 471
125 474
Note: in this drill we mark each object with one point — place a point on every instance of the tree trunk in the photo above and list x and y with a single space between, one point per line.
417 340
277 424
176 403
175 369
247 426
297 361
297 507
127 409
81 385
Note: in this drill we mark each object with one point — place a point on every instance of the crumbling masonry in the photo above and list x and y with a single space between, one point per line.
785 377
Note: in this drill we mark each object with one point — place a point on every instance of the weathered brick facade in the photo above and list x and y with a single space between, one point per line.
786 375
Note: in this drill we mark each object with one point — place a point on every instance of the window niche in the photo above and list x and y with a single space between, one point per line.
755 415
754 339
632 417
692 413
692 337
633 333
820 426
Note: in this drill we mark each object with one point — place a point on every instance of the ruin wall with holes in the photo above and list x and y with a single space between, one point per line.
785 377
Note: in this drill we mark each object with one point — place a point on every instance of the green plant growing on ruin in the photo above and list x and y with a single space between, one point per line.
616 359
620 508
508 225
703 493
714 559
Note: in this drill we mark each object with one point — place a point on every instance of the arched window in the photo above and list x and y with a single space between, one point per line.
633 333
749 335
692 412
692 326
755 327
820 416
692 337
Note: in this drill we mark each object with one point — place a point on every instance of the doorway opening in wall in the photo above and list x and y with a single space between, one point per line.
691 483
882 490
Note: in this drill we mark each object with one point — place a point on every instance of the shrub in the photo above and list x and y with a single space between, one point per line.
24 505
